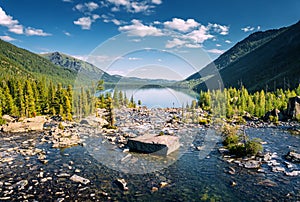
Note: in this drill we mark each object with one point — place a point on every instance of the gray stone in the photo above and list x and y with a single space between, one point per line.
154 144
293 157
22 184
82 180
293 110
251 164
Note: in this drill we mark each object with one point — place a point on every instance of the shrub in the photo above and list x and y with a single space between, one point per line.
231 139
253 146
237 149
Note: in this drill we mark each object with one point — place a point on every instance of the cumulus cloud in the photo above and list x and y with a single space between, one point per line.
12 24
175 43
199 35
137 28
15 27
133 6
7 38
87 7
221 29
181 25
157 2
248 29
216 51
86 22
228 41
35 32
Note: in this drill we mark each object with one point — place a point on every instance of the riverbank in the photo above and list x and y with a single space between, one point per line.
33 168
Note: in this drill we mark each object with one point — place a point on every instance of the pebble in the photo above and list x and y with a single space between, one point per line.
163 184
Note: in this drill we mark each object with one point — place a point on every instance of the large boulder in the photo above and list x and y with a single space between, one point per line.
154 144
293 110
275 113
28 124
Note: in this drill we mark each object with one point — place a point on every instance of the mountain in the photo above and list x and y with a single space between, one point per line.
17 62
263 60
85 70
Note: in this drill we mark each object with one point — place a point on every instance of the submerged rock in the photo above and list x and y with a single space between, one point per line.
267 183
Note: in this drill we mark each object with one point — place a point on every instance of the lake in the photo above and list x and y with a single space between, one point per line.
160 97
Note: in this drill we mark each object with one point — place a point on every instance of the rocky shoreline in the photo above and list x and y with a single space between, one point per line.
32 153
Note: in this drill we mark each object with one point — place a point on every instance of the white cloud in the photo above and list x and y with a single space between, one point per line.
116 22
119 2
189 45
87 7
181 25
67 33
199 35
218 45
141 30
134 58
7 38
175 43
133 6
138 7
228 41
221 29
248 29
17 29
216 51
157 2
35 32
258 27
10 23
86 22
67 1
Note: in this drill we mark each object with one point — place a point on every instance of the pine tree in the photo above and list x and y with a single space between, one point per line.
29 100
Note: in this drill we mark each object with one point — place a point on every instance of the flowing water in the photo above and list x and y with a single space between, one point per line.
190 178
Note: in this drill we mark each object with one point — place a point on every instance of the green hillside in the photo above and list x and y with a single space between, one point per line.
85 70
264 60
17 62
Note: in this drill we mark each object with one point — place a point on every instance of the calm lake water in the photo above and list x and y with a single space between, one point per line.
160 97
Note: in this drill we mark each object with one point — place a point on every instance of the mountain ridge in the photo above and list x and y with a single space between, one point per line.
234 74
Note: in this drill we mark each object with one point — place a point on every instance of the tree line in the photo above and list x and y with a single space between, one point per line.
30 97
232 101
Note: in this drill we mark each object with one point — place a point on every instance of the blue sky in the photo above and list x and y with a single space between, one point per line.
78 27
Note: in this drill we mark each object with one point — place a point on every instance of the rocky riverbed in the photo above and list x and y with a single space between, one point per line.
85 163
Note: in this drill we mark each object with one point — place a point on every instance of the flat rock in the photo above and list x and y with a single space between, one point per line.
251 164
153 144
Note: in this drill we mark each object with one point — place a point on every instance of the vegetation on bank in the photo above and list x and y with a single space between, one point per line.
232 102
239 144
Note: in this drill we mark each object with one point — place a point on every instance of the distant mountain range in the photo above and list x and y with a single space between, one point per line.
264 60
